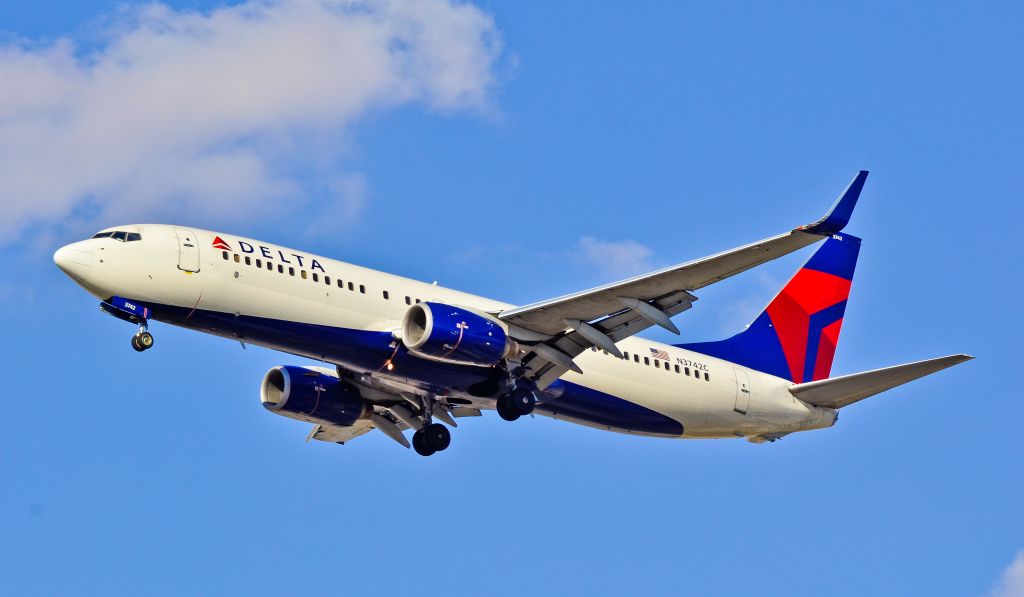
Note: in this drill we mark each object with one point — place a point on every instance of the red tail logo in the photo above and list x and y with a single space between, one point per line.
218 243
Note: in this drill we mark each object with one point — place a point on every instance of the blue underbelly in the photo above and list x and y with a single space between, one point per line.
362 350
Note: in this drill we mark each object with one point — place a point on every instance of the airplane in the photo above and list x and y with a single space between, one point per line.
399 354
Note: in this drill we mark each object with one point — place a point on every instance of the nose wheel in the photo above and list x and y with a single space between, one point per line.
142 341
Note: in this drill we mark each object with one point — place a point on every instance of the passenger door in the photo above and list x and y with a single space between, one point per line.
742 391
188 250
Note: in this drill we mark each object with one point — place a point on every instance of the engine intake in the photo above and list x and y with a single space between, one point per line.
440 331
312 396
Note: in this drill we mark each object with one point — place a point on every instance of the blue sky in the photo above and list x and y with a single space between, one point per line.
524 151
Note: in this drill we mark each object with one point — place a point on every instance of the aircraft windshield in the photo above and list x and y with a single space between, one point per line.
125 237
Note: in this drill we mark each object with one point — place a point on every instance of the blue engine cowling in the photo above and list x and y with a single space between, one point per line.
454 334
312 396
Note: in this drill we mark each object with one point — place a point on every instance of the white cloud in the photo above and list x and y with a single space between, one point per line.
180 111
619 258
347 199
1012 582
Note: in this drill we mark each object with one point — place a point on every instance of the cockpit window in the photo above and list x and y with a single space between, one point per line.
125 237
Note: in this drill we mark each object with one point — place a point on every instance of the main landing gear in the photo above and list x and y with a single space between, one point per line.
520 401
430 439
142 340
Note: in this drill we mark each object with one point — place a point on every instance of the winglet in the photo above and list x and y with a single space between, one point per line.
837 217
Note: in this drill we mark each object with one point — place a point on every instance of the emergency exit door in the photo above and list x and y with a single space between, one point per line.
188 250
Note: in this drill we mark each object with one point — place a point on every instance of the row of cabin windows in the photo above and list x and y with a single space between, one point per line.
305 275
660 364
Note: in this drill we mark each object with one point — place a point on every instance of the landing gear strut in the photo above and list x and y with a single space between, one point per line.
432 438
520 401
142 340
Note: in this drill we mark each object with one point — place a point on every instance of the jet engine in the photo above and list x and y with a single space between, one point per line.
448 333
313 396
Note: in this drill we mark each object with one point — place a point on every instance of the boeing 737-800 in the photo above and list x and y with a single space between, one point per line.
399 354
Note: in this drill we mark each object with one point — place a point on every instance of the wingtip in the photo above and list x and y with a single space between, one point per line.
839 216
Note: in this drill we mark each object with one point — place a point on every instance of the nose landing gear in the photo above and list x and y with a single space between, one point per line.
132 312
142 340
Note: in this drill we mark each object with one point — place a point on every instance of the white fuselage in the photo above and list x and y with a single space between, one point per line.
260 282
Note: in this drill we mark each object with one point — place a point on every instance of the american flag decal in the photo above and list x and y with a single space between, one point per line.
659 354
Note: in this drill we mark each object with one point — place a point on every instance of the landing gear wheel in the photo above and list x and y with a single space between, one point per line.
142 341
506 410
522 400
419 443
436 437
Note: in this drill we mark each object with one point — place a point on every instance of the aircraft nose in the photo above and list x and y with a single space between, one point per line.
75 260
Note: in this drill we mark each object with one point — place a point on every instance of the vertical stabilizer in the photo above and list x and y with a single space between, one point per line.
796 336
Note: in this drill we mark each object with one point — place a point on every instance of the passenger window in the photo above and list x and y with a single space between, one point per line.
362 289
225 255
667 366
270 266
385 295
417 301
327 280
238 258
316 278
706 376
687 370
408 301
341 284
291 271
247 260
280 268
677 368
133 236
696 374
647 361
625 355
636 358
303 274
259 263
118 236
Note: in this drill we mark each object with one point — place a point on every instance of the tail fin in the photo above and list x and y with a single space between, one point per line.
795 337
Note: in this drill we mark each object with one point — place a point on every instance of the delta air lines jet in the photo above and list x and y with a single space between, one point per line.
405 355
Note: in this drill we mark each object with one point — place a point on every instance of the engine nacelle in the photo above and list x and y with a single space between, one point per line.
440 331
312 396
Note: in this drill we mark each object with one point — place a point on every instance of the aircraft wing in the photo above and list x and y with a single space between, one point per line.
564 327
340 435
384 420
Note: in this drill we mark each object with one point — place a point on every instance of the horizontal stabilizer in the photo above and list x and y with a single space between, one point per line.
838 392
